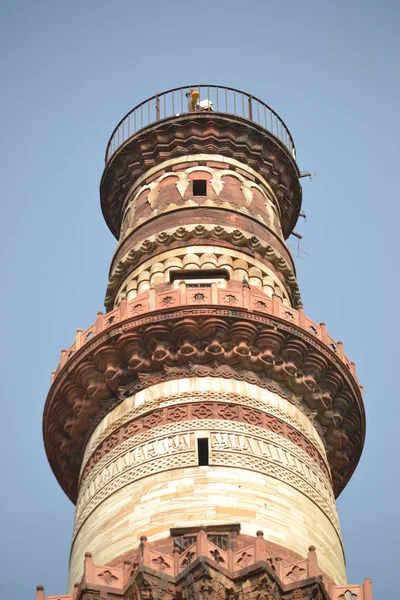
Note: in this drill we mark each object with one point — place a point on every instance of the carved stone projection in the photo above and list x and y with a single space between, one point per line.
234 138
269 278
215 564
220 342
250 237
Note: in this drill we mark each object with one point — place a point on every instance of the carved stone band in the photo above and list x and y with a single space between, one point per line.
231 444
209 410
207 389
155 271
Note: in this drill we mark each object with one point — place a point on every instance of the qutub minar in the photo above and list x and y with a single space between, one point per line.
204 424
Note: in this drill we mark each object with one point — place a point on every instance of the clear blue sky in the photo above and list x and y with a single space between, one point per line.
69 71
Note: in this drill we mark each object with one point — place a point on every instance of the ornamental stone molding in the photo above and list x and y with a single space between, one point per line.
220 225
179 237
220 341
233 137
158 270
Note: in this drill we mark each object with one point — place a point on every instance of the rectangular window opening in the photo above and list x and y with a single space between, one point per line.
187 274
200 187
202 452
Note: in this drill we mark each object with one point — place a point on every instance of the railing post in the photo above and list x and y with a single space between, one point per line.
88 568
144 551
353 369
276 305
250 108
324 333
63 358
75 590
39 592
302 317
230 559
176 555
182 293
201 545
279 567
127 567
99 322
246 297
259 546
157 108
367 589
123 309
78 339
312 563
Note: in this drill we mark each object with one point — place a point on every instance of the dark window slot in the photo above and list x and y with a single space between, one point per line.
202 451
198 274
199 187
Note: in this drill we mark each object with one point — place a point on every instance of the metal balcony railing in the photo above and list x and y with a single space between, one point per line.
215 98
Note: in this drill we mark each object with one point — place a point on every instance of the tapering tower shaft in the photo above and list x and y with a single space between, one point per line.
204 397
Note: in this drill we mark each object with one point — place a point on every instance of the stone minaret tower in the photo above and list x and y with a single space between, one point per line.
204 424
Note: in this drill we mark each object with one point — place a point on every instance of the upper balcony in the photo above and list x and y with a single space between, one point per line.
199 98
201 119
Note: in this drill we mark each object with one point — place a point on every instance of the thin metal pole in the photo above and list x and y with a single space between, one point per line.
157 108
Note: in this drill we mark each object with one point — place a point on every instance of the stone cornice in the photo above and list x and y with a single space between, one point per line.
244 225
202 133
274 343
132 254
